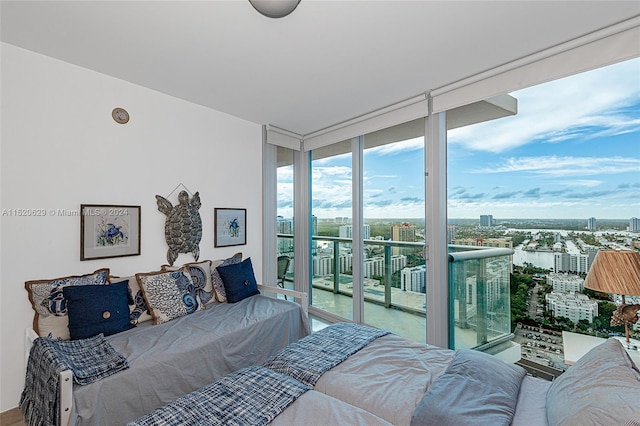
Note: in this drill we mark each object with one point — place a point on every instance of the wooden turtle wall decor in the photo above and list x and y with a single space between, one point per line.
183 228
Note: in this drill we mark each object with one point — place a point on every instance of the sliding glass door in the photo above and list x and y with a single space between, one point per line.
331 230
394 279
285 216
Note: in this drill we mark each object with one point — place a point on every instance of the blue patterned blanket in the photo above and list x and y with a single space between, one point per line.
250 396
310 357
89 360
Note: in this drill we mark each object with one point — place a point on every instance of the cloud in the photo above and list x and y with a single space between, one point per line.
505 195
565 166
582 103
379 203
285 204
330 204
464 195
412 200
556 192
582 182
401 147
590 195
532 193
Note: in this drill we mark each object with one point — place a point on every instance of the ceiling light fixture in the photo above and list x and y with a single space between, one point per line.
274 8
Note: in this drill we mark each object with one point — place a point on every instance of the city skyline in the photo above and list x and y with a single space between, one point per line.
571 152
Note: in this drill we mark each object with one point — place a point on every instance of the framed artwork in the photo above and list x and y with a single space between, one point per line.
109 231
230 227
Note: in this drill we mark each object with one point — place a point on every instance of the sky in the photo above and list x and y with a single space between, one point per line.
572 151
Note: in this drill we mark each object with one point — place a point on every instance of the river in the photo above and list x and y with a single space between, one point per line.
540 259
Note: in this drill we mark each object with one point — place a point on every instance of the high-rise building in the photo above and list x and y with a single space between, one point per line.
403 232
575 263
346 231
634 224
451 233
591 224
486 220
285 244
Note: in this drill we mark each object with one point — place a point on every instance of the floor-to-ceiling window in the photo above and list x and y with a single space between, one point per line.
367 210
394 278
331 229
481 285
555 182
285 239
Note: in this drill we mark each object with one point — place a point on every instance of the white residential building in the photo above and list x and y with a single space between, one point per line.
565 282
414 279
574 306
322 265
346 231
575 263
373 266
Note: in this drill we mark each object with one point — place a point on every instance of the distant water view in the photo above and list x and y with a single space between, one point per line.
540 259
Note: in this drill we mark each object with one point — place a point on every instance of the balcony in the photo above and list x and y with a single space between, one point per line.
395 288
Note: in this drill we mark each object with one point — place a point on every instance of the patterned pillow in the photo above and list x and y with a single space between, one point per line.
138 312
50 306
201 277
169 294
218 285
95 309
239 280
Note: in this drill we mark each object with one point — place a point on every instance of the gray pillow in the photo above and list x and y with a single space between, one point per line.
476 389
601 388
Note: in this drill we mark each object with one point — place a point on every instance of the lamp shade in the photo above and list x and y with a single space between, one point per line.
615 271
275 8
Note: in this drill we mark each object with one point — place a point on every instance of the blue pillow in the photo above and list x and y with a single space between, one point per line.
95 309
239 280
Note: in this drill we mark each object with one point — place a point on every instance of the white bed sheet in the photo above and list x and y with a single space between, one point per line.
388 377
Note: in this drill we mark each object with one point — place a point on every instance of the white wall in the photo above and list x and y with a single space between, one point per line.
60 148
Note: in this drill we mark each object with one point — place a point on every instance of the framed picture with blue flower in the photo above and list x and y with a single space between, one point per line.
230 227
109 231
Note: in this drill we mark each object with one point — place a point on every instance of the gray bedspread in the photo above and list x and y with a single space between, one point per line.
173 359
250 396
387 379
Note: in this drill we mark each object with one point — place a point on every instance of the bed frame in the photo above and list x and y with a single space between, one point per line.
66 377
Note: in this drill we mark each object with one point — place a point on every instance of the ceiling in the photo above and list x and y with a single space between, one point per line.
327 62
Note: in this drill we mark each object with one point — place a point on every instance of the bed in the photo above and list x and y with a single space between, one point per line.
385 379
169 360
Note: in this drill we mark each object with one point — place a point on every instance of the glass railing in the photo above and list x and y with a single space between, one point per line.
395 286
480 301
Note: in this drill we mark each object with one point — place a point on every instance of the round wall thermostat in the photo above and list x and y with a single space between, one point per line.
120 115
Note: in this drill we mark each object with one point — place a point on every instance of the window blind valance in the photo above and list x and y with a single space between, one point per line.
284 138
601 48
610 45
398 113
